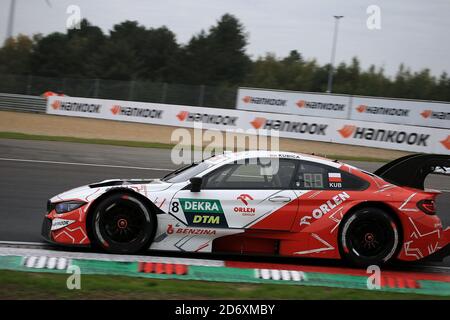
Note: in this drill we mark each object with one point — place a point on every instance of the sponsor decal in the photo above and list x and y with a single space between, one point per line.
171 230
446 143
320 105
76 106
204 212
335 180
392 136
266 101
430 114
246 211
326 207
289 126
334 177
398 112
60 223
136 112
244 197
207 118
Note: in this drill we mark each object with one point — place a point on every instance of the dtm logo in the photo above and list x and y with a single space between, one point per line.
326 207
203 212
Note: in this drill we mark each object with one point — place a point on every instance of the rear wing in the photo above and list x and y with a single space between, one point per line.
411 170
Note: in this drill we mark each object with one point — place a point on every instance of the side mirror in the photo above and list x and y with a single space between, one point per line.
196 184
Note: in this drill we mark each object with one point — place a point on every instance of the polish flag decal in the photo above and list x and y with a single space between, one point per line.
334 177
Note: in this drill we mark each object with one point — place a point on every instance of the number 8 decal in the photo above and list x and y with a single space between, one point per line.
175 206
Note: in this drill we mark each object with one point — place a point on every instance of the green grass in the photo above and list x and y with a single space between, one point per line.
24 285
141 144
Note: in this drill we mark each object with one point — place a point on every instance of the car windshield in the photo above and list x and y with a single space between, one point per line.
187 172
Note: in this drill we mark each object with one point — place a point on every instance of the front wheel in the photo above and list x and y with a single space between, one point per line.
369 236
121 223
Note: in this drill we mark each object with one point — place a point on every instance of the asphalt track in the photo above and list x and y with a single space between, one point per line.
33 171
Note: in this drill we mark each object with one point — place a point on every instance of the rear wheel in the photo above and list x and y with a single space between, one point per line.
121 223
368 236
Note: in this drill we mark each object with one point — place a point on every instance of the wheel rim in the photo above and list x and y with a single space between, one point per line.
122 223
370 238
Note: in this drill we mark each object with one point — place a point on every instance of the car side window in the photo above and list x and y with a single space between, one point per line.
252 174
316 176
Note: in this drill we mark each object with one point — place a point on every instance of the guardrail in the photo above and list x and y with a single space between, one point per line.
22 103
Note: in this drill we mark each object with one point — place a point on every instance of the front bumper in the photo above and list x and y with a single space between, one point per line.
46 230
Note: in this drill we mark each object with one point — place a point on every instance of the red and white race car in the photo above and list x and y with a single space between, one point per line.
262 202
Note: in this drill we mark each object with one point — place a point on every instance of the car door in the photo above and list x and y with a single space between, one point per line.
244 195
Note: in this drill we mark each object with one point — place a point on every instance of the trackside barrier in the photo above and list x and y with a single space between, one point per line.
428 284
382 110
352 132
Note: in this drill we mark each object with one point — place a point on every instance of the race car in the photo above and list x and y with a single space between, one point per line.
262 203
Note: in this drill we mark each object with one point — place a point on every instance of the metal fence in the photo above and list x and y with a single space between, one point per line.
145 91
23 103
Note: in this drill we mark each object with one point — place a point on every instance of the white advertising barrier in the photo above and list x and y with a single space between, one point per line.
418 113
306 104
370 134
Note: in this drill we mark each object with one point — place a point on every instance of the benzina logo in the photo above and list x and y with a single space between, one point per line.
289 126
136 112
171 230
383 111
207 118
430 114
76 106
320 105
392 136
267 101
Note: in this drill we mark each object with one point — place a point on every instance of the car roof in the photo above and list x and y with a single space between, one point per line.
233 156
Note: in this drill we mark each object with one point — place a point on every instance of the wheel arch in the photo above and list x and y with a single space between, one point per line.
154 210
380 205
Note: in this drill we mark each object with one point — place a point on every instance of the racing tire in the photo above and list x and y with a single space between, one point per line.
369 236
122 224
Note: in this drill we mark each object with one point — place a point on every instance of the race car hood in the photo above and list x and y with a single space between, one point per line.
93 190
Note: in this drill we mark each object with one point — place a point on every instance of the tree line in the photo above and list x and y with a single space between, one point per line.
217 57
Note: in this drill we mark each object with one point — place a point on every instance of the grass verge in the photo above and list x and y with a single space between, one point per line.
31 285
140 144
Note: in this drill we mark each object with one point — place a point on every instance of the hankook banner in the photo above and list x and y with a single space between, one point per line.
353 132
399 111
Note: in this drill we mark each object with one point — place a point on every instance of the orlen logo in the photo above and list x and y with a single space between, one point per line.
207 118
392 136
430 114
244 197
246 211
266 101
136 112
289 126
326 207
320 105
361 108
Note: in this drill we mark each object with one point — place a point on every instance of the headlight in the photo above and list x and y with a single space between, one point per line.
68 206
